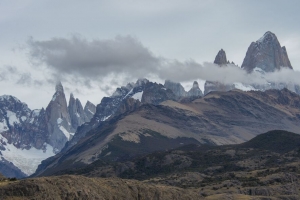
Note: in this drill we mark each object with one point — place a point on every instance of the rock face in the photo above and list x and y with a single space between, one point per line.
221 58
266 54
195 91
109 106
124 99
89 110
156 93
77 114
177 88
58 119
180 92
13 117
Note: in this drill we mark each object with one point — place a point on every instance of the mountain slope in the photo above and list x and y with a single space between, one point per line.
277 141
268 146
218 118
252 170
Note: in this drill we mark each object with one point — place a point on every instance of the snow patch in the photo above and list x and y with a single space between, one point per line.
54 97
7 98
36 112
128 93
12 118
91 111
105 118
23 118
243 87
65 132
59 121
138 96
26 160
31 121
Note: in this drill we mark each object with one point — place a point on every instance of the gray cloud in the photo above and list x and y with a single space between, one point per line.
126 59
25 79
12 73
96 58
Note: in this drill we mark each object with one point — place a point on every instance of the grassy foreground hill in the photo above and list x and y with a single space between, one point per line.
266 167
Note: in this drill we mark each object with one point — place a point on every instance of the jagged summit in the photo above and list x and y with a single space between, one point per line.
221 58
195 84
89 110
177 88
195 90
76 112
59 87
266 54
141 81
267 37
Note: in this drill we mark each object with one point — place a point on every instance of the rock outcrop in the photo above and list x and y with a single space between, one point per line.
156 93
58 119
177 88
89 110
195 91
266 54
109 106
221 58
210 86
77 114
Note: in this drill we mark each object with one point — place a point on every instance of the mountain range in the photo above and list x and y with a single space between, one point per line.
145 116
30 136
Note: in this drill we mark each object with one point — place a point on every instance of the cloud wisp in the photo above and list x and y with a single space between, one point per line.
127 58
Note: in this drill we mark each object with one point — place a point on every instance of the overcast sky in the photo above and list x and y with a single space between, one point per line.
95 46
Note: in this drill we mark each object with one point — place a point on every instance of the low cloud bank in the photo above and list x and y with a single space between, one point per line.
126 58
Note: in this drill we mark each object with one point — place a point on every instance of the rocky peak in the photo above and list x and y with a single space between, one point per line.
59 87
266 54
89 110
58 119
141 81
176 88
195 90
156 93
77 115
195 84
221 58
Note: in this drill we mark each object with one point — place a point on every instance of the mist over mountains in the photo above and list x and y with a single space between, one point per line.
127 58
